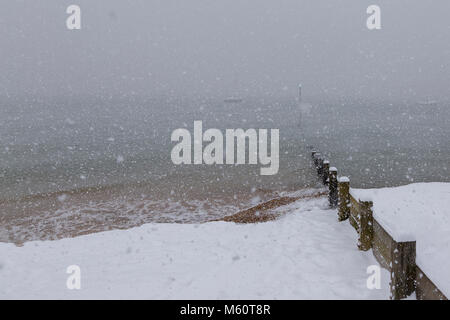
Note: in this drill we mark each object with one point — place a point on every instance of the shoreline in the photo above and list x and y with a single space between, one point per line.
274 260
67 215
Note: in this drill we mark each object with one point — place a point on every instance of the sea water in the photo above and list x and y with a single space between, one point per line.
72 166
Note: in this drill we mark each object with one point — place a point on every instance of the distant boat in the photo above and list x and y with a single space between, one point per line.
233 100
428 103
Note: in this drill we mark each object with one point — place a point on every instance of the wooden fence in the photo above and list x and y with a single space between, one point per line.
397 257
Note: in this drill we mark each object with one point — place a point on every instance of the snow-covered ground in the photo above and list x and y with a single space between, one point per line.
305 254
421 212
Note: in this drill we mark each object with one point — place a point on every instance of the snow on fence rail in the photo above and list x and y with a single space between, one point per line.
399 257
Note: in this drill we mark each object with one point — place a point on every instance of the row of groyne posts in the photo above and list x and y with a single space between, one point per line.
397 257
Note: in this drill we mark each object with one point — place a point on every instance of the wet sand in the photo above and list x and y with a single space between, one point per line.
70 214
264 212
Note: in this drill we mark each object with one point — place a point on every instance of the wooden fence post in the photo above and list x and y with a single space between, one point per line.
365 226
403 270
344 198
333 187
325 171
320 167
317 156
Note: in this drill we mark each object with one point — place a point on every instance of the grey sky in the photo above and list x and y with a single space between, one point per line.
225 47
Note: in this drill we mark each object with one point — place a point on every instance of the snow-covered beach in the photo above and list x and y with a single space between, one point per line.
304 254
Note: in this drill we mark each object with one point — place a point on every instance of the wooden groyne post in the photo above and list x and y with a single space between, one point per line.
325 171
320 167
403 270
343 198
333 187
316 157
365 229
